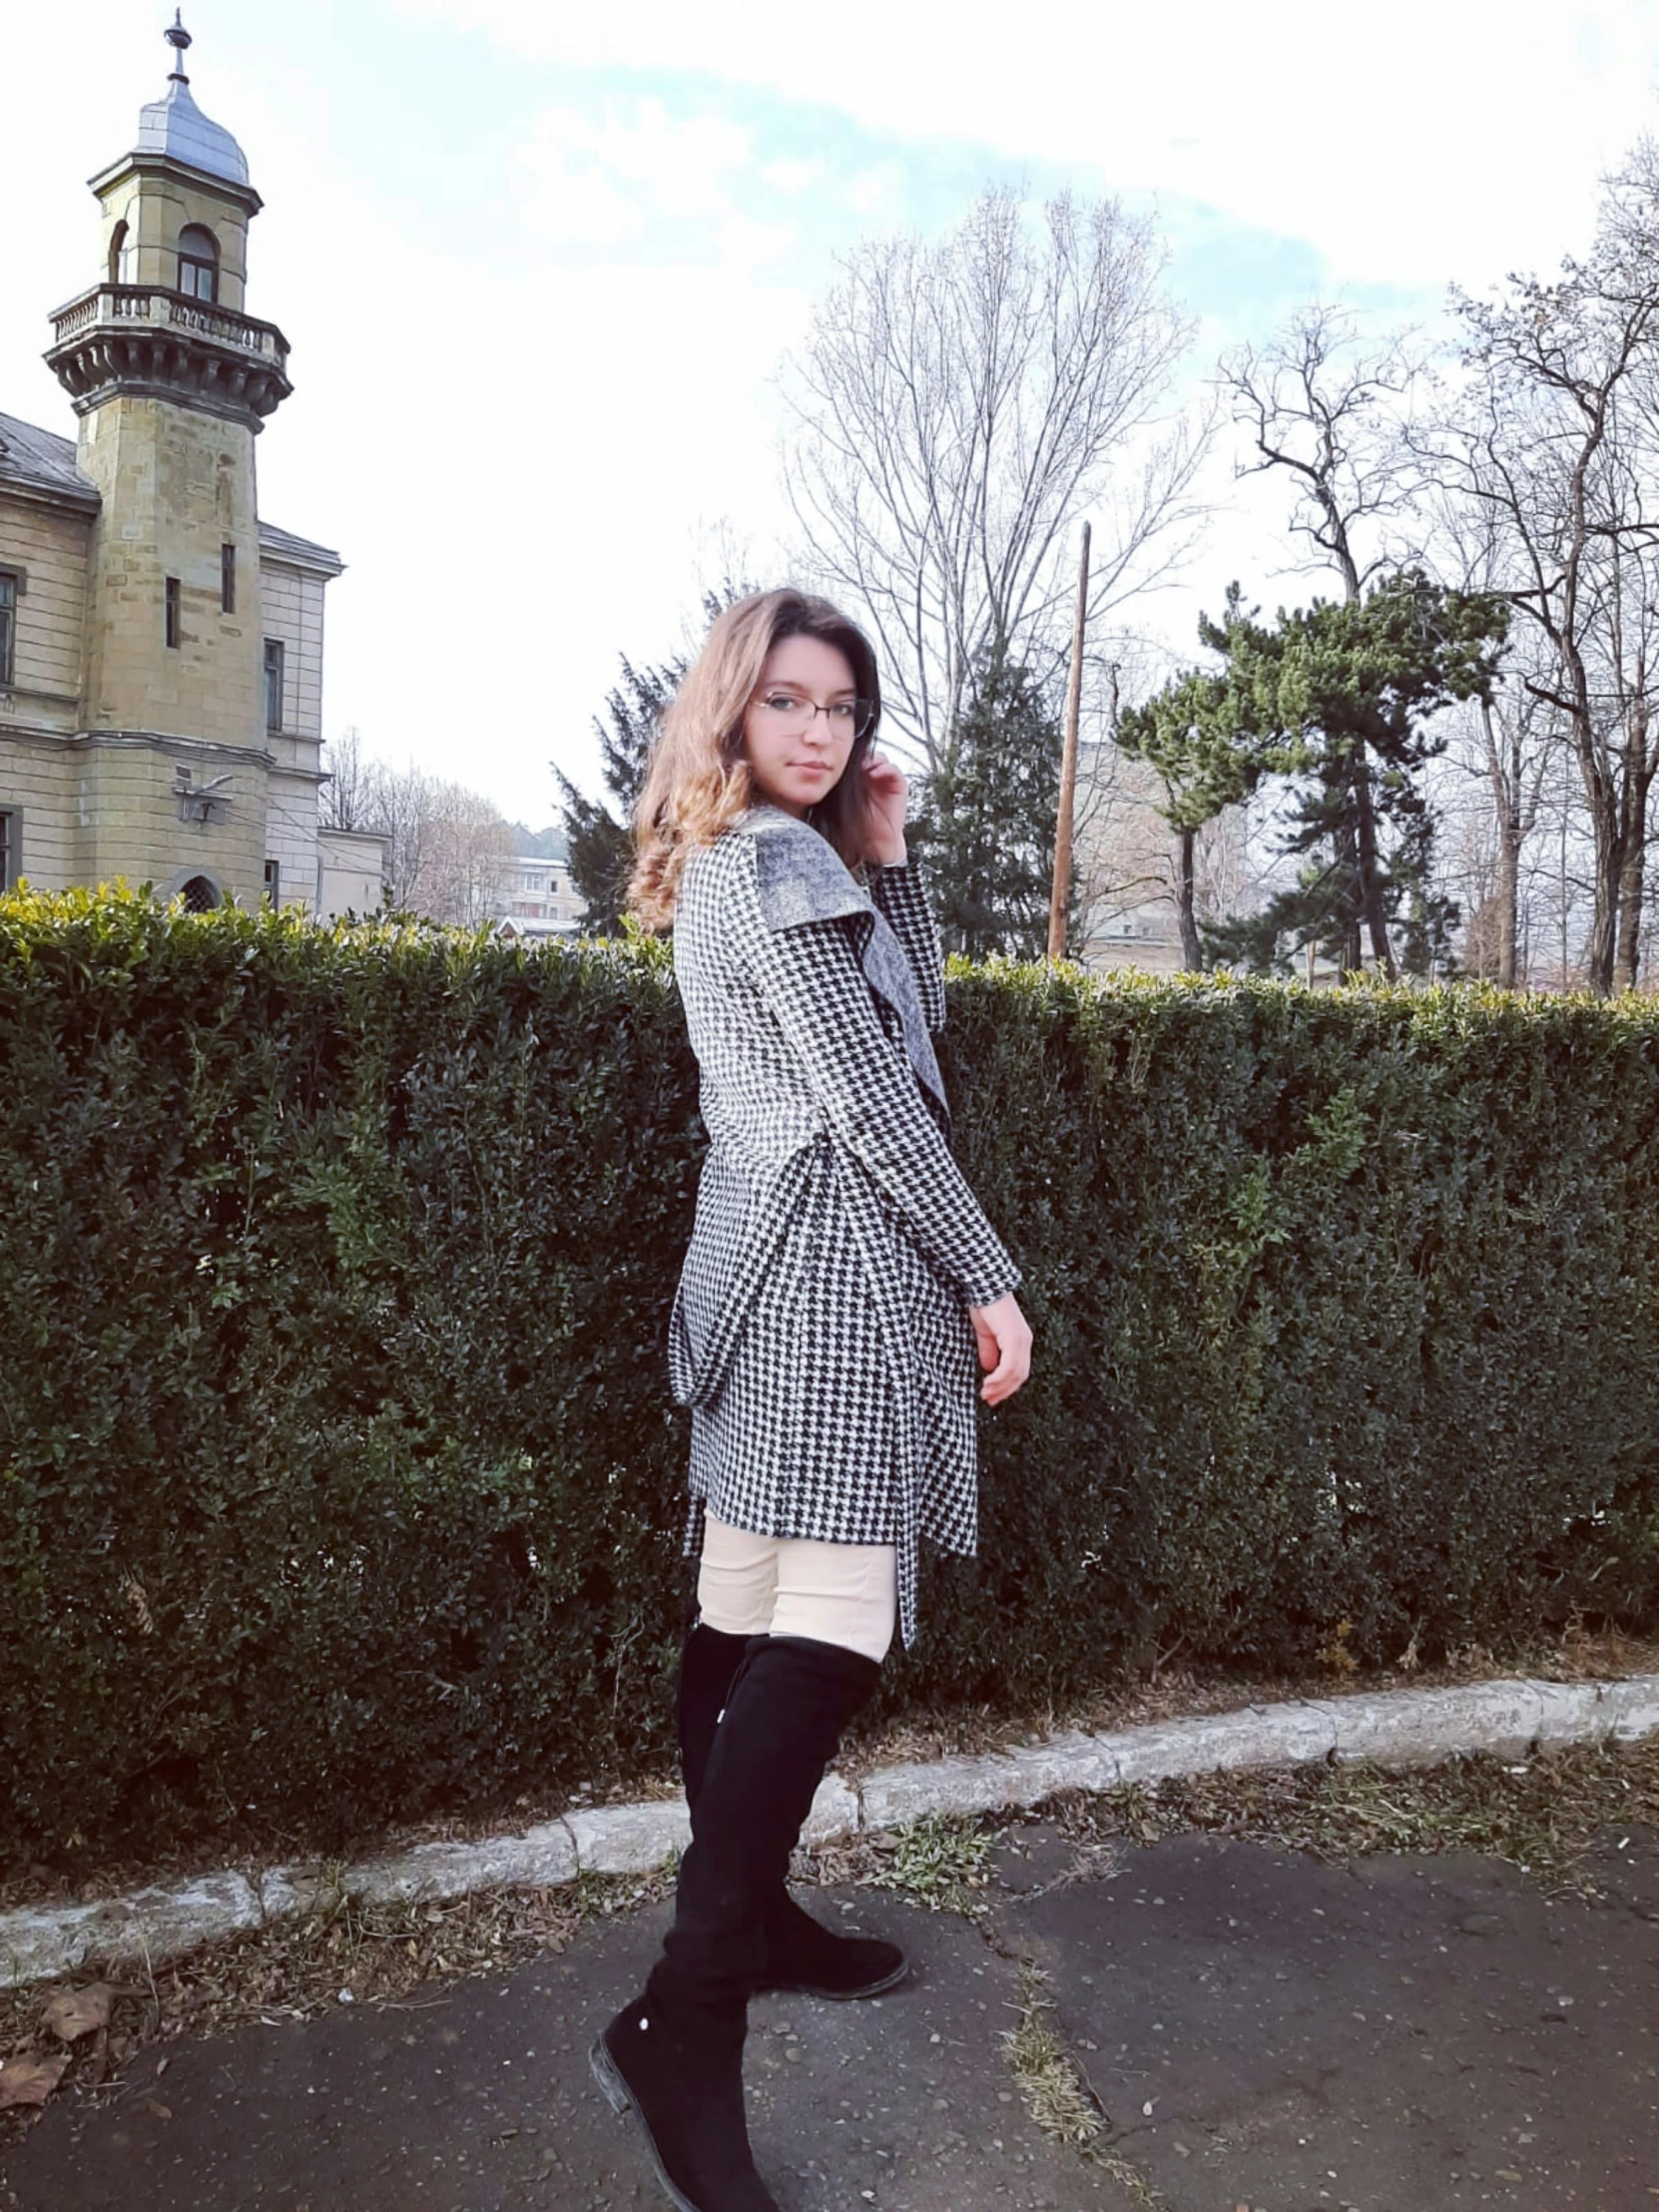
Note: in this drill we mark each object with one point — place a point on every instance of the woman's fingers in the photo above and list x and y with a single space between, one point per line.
887 777
1003 1337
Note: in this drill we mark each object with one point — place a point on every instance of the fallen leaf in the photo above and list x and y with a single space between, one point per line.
162 2111
30 2080
73 2014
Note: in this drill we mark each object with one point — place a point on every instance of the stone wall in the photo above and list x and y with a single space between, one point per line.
176 486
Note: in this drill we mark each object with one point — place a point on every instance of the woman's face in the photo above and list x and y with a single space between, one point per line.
800 727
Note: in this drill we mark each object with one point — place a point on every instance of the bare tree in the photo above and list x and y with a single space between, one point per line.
1507 746
399 804
448 851
1517 733
1553 438
958 409
346 796
1323 407
467 857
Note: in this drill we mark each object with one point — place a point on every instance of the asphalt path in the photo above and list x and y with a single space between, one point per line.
1258 2029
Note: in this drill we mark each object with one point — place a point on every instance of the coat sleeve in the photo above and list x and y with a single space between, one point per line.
902 898
808 977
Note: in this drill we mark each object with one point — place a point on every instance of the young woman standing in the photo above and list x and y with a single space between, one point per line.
840 1280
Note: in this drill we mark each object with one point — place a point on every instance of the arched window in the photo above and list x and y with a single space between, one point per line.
198 262
118 255
198 895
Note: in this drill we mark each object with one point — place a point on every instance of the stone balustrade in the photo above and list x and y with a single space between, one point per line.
146 339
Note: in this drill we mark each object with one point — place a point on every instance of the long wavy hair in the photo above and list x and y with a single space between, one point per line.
698 783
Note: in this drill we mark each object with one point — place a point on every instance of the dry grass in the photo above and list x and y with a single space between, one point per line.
1057 2097
1058 2094
1542 1815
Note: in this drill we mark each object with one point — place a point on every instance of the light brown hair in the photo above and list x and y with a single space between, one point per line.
698 783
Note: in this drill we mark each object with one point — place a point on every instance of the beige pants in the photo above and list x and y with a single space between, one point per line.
844 1594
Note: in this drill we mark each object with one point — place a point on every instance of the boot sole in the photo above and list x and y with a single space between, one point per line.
837 1997
621 2100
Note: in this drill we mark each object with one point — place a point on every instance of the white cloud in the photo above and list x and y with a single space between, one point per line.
1436 139
602 176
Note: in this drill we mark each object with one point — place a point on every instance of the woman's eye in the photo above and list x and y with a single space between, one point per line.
782 704
844 714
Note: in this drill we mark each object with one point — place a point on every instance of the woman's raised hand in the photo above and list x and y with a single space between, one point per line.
1003 1335
887 794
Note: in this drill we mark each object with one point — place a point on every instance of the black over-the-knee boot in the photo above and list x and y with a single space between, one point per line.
675 2056
799 1954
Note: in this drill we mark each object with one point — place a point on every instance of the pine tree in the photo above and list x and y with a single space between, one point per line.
1348 690
1205 739
600 847
985 818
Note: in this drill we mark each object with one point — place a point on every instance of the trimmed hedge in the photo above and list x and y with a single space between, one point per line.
339 1479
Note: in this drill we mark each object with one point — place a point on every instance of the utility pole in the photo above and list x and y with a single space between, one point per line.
1068 766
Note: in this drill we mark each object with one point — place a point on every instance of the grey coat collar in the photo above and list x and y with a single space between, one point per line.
803 879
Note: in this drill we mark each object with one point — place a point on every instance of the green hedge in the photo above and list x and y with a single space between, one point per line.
339 1480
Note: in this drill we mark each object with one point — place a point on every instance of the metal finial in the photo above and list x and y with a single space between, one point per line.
178 38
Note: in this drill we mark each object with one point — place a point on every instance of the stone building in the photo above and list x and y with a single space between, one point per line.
161 644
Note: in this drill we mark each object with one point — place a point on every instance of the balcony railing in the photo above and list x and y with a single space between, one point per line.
144 339
159 310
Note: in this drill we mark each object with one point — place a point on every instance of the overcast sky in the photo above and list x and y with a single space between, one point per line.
538 262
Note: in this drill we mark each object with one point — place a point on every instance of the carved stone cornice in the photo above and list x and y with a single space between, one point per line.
142 338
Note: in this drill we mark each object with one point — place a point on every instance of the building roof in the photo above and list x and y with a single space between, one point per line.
40 461
175 126
283 545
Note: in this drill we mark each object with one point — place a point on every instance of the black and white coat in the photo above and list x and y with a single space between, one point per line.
820 1333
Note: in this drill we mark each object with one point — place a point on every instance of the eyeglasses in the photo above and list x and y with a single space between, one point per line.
788 713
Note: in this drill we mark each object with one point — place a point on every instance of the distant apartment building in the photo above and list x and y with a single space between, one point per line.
537 900
160 643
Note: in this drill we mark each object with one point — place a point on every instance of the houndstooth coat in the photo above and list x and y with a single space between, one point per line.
820 1333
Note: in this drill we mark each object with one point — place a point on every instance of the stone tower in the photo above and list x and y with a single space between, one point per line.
172 379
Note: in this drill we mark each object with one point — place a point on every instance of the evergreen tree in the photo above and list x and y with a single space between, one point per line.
985 818
1345 691
600 847
1205 739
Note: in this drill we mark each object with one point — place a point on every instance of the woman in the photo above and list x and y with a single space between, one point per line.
840 1277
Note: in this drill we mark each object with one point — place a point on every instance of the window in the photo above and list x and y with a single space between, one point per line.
198 262
227 579
199 895
170 610
10 588
274 656
274 882
11 848
118 255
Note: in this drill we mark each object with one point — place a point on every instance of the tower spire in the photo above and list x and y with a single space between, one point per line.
179 39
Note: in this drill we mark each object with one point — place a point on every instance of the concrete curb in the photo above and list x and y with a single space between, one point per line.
1393 1728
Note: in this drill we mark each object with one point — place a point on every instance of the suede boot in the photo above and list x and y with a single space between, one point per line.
799 1954
684 2083
675 2056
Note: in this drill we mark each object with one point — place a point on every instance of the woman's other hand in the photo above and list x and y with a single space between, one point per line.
1003 1335
887 794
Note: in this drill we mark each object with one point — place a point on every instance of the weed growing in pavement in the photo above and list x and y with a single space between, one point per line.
1058 2094
939 1860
